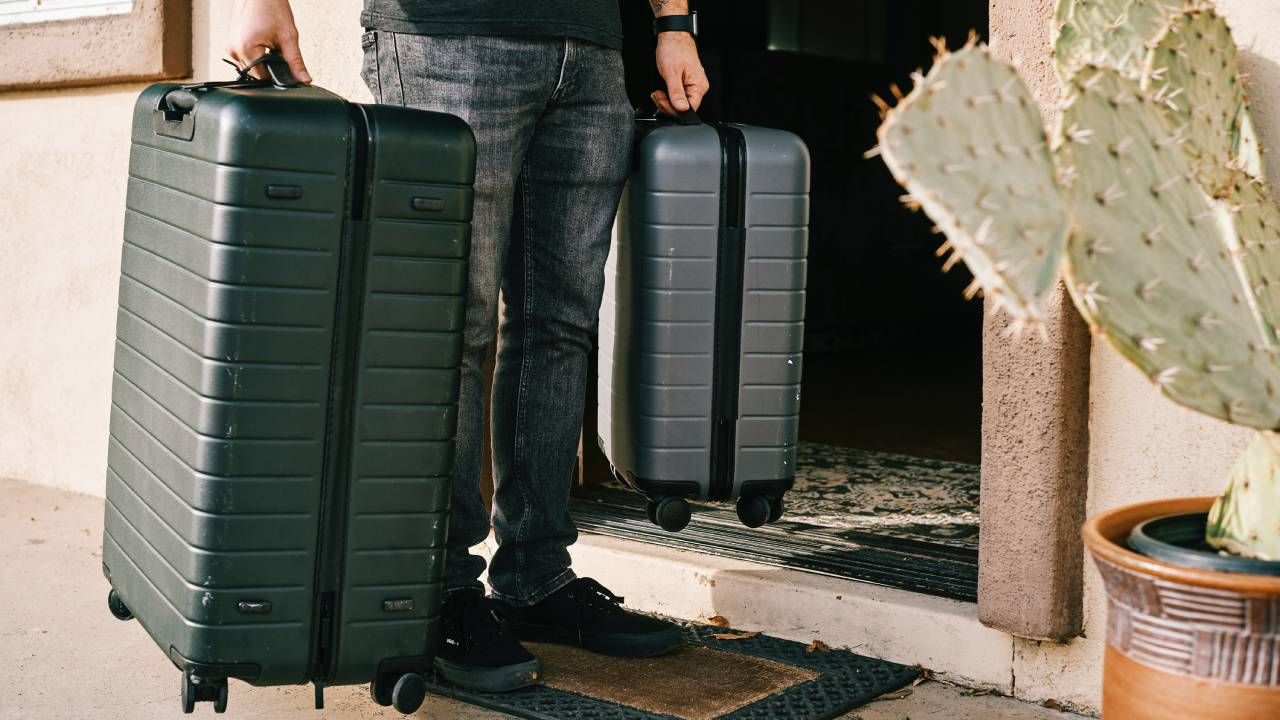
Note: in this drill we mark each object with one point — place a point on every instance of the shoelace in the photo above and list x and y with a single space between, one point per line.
592 594
480 624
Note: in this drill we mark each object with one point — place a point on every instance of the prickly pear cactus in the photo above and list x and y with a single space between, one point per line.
1173 247
1192 70
1246 518
969 145
1154 263
1109 33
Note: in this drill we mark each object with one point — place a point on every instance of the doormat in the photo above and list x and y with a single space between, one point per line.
719 674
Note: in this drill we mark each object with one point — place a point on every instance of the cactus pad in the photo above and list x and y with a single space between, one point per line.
1246 518
1254 243
1109 33
1151 263
1193 71
969 145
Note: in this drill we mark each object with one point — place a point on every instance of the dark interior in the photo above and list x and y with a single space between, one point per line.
892 350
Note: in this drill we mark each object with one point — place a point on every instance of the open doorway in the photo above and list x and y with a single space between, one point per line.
890 419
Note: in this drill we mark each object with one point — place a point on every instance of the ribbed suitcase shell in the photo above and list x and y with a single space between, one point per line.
286 380
659 363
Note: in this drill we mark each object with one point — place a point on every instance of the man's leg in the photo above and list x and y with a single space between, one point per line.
567 196
500 87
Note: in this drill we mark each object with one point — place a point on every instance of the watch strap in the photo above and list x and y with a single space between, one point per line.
676 23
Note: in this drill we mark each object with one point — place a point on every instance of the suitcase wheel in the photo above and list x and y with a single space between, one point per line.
117 606
776 508
204 690
755 510
409 692
669 513
381 689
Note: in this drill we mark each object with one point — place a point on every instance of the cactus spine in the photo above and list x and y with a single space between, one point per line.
1148 201
1109 33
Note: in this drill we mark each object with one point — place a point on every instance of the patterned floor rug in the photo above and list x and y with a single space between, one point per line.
887 519
844 489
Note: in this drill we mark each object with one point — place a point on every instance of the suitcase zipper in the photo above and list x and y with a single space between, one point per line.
336 485
730 263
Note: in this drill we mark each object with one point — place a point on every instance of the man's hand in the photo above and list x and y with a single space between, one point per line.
257 25
681 70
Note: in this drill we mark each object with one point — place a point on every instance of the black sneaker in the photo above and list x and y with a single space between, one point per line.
585 613
476 651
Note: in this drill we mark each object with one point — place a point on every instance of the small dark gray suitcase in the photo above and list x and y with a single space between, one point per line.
702 324
286 380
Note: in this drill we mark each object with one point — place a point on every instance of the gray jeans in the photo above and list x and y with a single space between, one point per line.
553 134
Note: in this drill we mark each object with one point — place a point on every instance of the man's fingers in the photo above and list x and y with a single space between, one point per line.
697 89
694 93
248 55
675 90
292 55
659 98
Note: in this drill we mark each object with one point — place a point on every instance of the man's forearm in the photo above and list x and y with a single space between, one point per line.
669 7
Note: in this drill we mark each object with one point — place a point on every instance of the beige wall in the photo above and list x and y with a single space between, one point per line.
1141 446
62 171
63 160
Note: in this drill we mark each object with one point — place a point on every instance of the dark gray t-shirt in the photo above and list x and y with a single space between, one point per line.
597 21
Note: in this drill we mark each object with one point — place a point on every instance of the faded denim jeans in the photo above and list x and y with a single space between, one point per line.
553 132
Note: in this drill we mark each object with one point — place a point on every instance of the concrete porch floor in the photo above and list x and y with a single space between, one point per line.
73 660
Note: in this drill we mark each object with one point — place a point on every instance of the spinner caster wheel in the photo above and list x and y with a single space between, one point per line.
754 510
220 698
189 692
117 606
670 513
776 508
409 692
196 690
381 689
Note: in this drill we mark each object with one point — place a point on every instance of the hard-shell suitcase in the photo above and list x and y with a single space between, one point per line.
702 324
286 380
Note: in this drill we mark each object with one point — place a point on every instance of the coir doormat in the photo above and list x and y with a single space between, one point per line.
718 674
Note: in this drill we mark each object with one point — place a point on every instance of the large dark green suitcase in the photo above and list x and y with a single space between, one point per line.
286 381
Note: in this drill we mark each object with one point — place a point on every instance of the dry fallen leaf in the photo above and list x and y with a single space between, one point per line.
718 621
816 646
1052 704
896 695
735 636
977 692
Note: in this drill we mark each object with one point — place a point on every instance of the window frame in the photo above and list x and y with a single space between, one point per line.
152 41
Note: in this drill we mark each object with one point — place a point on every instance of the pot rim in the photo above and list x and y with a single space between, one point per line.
1106 533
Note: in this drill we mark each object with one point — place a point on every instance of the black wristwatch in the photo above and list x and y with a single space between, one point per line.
676 23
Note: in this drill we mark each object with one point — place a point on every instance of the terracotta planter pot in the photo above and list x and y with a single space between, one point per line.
1183 642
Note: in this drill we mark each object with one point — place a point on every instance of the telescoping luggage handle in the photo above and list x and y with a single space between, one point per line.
174 116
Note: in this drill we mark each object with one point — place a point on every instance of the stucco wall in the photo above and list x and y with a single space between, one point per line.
1141 446
63 162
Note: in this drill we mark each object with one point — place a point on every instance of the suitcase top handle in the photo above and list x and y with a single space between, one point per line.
174 116
687 117
683 117
277 68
